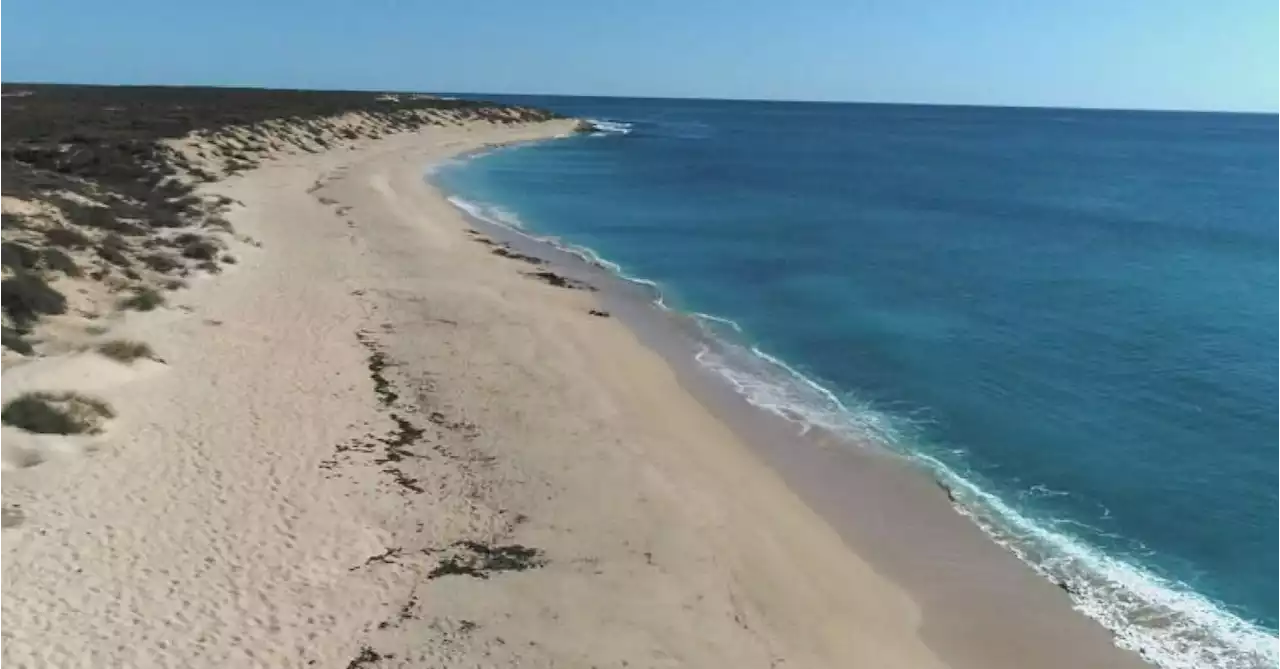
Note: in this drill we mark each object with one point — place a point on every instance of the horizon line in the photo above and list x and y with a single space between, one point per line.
1275 112
885 102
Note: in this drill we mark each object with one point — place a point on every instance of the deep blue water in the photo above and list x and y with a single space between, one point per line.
1070 314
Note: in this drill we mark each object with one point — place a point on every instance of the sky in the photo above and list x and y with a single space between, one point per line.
1130 54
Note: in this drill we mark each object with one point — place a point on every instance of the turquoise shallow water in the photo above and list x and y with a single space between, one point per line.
1069 315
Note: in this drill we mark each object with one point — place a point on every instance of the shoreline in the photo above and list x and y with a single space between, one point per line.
500 475
978 590
1147 611
819 464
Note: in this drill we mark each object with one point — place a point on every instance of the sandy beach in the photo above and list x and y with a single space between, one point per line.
382 439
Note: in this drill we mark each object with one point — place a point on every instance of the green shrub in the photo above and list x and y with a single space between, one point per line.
219 223
123 350
166 219
13 341
100 218
67 237
143 299
160 262
114 256
26 296
114 253
202 249
17 256
56 413
58 261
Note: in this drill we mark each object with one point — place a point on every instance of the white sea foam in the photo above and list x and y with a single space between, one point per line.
659 299
509 220
1166 622
487 150
498 216
775 386
506 218
475 210
457 161
712 318
590 256
603 127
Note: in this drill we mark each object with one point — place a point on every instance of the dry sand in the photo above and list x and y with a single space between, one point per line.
375 443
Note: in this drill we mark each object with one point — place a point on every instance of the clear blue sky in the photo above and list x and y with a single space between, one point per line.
1170 54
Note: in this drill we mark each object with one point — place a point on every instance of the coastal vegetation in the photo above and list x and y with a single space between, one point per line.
57 413
26 296
14 341
101 184
143 298
126 351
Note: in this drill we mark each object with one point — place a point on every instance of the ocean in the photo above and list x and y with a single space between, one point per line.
1067 316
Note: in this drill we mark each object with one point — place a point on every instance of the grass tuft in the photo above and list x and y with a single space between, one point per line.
143 299
56 413
13 341
60 262
200 250
126 351
161 262
18 257
26 297
67 238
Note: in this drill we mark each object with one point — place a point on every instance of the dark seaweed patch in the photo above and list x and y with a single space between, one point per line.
560 281
385 557
368 656
477 560
506 252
